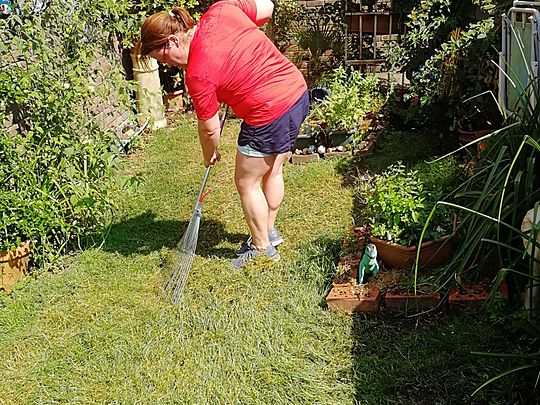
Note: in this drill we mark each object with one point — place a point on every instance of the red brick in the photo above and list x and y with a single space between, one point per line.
409 301
346 298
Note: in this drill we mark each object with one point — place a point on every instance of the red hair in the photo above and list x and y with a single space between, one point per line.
156 29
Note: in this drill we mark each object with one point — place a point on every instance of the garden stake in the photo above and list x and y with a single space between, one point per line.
188 244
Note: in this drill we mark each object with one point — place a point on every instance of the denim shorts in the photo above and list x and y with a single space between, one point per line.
277 136
249 151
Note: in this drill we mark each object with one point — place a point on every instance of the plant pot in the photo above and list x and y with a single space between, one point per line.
433 253
304 141
173 101
149 100
13 265
465 137
340 138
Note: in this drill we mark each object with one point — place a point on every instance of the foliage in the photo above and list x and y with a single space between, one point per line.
56 164
402 199
123 19
503 186
352 95
319 32
285 19
447 50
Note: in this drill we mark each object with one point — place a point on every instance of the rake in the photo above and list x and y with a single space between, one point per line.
188 244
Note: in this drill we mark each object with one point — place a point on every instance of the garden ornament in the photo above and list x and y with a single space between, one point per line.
5 7
368 265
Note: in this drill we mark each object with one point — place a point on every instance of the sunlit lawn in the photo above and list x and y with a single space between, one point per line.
98 332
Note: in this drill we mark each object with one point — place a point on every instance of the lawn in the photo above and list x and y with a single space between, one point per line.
97 331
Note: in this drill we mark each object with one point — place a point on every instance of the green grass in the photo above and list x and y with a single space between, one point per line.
97 332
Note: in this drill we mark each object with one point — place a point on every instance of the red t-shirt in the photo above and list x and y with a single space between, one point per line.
232 61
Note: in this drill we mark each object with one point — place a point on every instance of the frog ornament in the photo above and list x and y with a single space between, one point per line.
368 265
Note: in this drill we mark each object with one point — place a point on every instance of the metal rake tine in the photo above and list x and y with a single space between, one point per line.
184 275
172 279
188 243
181 282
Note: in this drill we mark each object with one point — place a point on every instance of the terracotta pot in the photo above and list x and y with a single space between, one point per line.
433 253
173 102
469 136
13 265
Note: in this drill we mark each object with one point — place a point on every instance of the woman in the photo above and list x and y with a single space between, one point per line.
228 59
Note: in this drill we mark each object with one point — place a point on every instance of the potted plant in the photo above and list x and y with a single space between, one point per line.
352 99
13 265
172 82
17 220
400 203
481 118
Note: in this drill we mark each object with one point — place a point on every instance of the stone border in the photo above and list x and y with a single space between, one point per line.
365 147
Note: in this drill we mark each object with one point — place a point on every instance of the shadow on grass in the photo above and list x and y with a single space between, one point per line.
429 360
144 234
408 147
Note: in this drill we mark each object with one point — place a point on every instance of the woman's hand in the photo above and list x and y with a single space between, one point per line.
216 157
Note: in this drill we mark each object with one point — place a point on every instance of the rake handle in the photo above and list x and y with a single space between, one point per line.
205 178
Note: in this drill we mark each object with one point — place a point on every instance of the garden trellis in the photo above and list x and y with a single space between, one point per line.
371 24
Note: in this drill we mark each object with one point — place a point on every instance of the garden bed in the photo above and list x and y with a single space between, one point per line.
385 292
364 147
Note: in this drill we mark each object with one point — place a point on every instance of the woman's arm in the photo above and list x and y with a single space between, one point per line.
209 133
265 8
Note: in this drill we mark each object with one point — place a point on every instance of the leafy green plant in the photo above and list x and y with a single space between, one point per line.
447 52
351 97
285 19
320 37
402 199
504 186
56 163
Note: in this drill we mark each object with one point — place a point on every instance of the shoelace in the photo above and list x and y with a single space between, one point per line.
248 255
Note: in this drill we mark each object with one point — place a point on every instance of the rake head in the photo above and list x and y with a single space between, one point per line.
187 247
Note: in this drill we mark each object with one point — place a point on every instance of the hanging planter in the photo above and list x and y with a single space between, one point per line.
13 265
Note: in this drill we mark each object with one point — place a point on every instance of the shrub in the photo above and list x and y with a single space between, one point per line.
402 199
447 52
56 164
351 96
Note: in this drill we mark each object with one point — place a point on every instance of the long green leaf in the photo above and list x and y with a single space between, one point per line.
497 377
